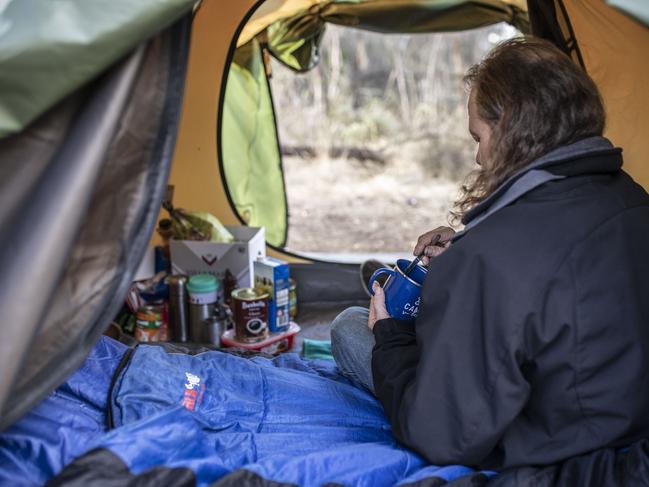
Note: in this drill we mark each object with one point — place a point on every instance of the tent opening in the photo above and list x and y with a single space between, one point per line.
362 99
374 139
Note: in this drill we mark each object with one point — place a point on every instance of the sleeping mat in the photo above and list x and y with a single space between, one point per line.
151 417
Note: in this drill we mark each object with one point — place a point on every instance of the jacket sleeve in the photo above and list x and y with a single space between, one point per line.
451 383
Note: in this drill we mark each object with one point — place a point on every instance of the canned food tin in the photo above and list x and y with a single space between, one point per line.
250 308
149 323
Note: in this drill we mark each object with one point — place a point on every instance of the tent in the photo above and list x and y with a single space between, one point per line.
571 25
103 103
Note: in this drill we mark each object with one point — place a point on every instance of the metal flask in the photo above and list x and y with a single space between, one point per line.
178 309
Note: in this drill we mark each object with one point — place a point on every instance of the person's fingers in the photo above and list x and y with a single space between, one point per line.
440 235
423 241
379 310
379 294
379 297
446 234
375 288
433 251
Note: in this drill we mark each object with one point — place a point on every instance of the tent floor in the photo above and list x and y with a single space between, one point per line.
315 320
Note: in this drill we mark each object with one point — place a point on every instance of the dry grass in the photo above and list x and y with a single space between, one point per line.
345 206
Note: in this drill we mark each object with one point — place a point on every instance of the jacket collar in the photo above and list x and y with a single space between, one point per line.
593 155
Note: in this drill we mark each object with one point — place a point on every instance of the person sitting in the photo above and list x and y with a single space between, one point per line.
532 341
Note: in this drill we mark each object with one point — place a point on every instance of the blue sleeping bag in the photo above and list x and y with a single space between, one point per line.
207 417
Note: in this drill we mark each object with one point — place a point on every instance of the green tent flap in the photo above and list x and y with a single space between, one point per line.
251 157
638 9
294 41
48 48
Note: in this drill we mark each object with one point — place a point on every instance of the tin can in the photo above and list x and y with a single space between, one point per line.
250 308
292 299
148 323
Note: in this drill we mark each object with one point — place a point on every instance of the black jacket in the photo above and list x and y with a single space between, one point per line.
532 344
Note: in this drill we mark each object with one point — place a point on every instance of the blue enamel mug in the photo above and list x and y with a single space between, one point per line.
402 293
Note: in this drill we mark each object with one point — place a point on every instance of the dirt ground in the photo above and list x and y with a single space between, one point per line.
339 205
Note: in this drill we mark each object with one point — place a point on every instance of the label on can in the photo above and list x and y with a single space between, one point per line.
149 324
250 310
147 334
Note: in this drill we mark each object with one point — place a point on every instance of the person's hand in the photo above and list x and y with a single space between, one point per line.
377 306
425 241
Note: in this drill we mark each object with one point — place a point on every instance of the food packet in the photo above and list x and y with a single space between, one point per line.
199 225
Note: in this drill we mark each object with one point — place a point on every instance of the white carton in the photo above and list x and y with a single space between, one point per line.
194 257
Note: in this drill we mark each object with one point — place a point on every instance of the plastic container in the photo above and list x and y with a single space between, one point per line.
274 344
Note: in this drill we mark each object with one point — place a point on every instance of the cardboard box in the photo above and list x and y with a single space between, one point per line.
272 276
195 257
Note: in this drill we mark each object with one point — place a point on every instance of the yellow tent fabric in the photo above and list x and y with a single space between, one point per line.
195 171
615 49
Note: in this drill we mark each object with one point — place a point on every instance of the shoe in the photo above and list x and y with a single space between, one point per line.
367 269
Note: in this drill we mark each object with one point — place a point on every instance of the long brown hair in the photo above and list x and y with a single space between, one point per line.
535 98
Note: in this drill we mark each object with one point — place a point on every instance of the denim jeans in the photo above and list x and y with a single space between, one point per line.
351 345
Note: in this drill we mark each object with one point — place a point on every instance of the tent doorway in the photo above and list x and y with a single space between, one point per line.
403 103
374 138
